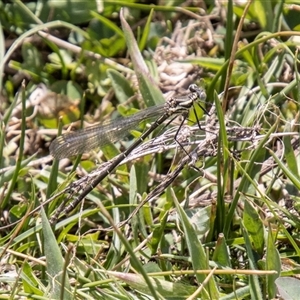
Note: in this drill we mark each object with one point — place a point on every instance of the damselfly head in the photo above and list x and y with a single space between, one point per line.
200 91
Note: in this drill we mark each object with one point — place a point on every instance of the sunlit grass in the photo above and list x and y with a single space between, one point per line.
219 223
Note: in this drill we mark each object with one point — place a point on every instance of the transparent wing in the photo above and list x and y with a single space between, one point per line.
87 139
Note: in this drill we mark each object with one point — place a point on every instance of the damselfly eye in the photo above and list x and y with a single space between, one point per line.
201 95
193 87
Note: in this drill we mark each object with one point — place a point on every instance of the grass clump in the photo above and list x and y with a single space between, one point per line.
215 217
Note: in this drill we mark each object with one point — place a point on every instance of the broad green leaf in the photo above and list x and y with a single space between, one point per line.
31 284
200 219
32 59
196 250
122 88
288 288
55 264
221 253
74 12
254 227
69 88
110 151
167 289
263 11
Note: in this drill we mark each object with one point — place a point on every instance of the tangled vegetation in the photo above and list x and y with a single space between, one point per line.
204 209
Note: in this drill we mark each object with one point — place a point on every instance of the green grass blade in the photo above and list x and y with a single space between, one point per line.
255 289
149 89
251 171
273 262
2 53
294 178
58 279
222 165
146 31
289 153
167 290
106 22
196 250
228 39
121 85
21 150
